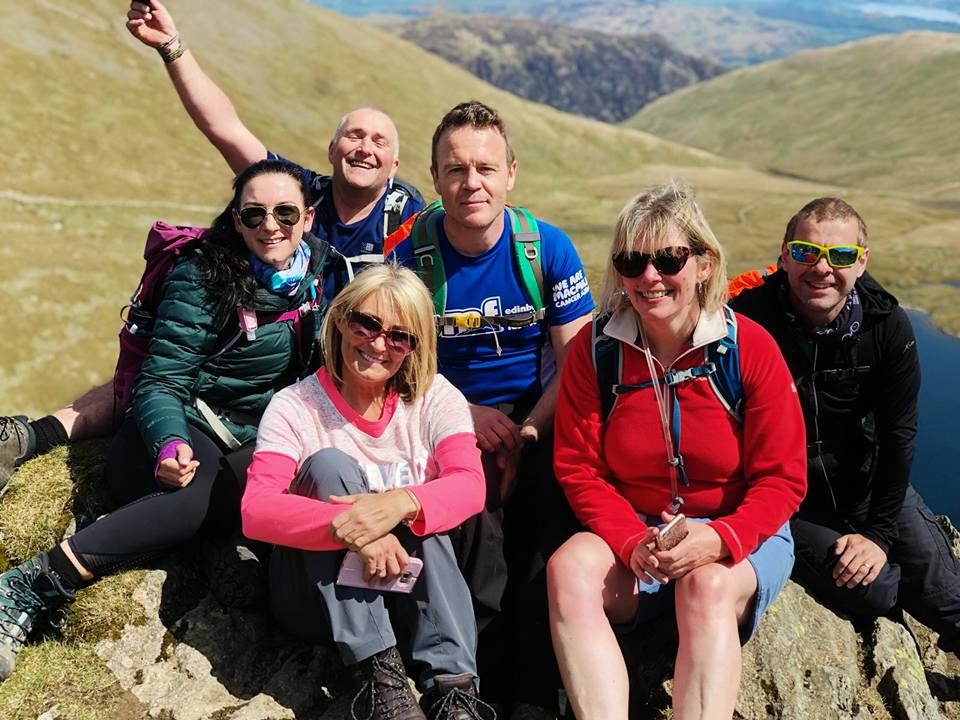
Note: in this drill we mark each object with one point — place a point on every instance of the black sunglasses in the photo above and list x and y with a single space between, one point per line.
370 328
668 261
254 215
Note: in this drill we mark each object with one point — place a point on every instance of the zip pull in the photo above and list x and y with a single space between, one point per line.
248 322
674 507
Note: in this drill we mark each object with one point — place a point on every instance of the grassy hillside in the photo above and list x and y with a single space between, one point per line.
877 114
95 146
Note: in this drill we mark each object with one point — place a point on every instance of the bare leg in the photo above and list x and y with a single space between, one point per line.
84 573
588 589
90 415
711 601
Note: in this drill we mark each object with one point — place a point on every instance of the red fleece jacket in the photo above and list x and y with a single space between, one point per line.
749 477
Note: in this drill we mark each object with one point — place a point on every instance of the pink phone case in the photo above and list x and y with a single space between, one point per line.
672 533
351 575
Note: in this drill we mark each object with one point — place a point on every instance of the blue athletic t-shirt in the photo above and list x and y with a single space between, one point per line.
495 365
364 237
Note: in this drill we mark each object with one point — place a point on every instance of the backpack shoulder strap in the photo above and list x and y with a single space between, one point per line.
426 254
607 363
726 381
399 193
525 235
320 187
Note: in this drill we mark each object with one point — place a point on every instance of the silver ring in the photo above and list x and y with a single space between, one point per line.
866 567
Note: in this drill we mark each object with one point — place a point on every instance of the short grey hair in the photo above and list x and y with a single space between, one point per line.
343 121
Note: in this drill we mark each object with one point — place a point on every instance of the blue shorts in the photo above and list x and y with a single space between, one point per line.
772 562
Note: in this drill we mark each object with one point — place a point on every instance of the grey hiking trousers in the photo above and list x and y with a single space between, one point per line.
435 622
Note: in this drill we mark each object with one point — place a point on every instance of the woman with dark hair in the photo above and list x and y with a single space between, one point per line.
239 320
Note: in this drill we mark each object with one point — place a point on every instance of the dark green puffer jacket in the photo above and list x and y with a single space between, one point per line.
186 357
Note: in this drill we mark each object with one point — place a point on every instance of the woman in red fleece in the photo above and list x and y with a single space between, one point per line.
738 479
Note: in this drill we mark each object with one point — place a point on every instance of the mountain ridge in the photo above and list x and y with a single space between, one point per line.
581 71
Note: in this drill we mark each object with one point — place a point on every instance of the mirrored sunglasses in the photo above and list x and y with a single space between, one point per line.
254 215
838 256
370 328
668 261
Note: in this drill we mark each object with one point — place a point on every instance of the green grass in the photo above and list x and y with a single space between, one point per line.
96 146
64 674
63 669
874 114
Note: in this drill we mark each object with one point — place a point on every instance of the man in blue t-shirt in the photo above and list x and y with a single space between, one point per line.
509 374
357 206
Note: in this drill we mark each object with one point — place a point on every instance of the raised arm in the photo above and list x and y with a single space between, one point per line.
208 106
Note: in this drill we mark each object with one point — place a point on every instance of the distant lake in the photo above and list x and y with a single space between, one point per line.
909 11
936 467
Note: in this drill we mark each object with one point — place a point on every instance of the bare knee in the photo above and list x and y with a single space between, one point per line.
573 580
706 592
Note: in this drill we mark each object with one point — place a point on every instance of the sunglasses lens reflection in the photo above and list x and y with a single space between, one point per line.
838 256
668 261
253 216
287 214
841 257
369 328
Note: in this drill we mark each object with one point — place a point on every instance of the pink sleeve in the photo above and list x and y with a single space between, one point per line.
457 493
272 514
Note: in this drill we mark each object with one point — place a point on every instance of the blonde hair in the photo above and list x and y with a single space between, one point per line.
642 227
409 298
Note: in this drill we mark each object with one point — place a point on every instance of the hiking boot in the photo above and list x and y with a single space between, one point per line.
384 692
454 697
16 438
29 594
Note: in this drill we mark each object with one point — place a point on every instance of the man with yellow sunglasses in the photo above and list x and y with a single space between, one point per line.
866 543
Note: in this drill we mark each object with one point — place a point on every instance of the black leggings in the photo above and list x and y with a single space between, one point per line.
154 518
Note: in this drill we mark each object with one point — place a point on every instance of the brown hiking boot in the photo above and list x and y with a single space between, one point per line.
454 697
16 439
384 692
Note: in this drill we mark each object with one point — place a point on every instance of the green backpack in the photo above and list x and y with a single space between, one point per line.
525 238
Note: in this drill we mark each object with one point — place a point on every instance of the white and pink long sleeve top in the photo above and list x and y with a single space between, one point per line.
426 446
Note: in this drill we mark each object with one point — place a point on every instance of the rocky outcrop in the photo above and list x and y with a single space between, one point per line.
804 662
586 72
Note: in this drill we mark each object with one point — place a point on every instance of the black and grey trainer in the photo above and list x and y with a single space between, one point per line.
29 593
454 697
16 438
384 692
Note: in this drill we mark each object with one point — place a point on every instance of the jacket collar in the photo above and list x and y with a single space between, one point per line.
624 325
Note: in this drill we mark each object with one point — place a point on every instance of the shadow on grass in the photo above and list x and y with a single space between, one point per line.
217 608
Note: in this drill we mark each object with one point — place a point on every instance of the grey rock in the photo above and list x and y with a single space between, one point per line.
195 658
213 662
901 677
802 659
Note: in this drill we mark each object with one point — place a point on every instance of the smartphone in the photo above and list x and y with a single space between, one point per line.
672 533
351 575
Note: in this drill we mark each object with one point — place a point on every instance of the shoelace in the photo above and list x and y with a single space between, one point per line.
25 600
9 427
457 698
368 691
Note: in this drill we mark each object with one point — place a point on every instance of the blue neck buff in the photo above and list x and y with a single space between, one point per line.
282 282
